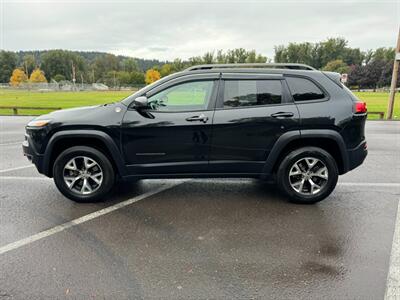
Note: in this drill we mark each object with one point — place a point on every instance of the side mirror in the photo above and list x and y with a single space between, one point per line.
141 102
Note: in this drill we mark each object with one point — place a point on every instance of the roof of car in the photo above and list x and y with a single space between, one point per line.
271 68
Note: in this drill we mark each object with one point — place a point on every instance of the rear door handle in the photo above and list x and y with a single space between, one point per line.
202 118
282 114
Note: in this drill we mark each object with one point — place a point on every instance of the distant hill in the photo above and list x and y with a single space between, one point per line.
90 56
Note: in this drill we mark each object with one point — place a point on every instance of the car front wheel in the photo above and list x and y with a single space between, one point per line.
83 174
307 175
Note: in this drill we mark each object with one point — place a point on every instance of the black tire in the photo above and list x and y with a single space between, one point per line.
287 163
101 190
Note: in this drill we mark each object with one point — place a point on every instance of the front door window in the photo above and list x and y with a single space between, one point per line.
188 96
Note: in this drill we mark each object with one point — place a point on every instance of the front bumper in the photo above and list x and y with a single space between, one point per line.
30 152
357 155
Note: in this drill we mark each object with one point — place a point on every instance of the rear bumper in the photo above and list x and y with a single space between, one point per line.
29 151
357 155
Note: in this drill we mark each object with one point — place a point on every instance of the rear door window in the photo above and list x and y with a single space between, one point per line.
303 89
242 93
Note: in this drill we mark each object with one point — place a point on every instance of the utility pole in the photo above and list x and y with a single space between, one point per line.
394 79
73 74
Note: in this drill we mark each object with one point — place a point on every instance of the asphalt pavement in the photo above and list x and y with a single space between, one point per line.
198 239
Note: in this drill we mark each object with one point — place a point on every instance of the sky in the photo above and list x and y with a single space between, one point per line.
168 29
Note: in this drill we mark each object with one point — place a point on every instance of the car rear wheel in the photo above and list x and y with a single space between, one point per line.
83 174
307 175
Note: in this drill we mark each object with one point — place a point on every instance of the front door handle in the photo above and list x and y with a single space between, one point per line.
202 118
282 114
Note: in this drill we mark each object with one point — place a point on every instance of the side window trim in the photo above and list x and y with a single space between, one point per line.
327 97
286 96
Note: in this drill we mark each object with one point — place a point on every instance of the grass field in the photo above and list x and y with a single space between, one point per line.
378 101
55 99
375 101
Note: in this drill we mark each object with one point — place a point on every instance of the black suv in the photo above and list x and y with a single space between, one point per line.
284 122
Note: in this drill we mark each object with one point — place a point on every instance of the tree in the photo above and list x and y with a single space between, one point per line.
123 78
165 70
152 76
8 62
103 64
385 54
59 77
372 73
37 76
137 77
306 53
319 54
355 76
129 65
110 78
253 57
386 76
336 66
332 49
29 63
62 62
208 58
18 76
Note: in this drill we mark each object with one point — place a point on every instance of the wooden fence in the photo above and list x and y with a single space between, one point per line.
16 108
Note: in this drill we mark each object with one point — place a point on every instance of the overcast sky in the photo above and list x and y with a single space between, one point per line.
169 29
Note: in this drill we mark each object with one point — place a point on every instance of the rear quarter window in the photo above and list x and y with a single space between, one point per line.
304 90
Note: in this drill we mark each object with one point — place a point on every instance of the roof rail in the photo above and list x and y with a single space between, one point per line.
252 65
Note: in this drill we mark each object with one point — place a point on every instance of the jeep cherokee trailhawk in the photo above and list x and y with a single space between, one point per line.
284 122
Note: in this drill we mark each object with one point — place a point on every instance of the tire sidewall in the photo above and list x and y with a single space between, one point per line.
99 157
287 163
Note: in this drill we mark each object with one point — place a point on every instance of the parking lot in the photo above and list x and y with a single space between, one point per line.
199 239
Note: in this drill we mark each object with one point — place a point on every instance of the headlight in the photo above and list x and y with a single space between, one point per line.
38 123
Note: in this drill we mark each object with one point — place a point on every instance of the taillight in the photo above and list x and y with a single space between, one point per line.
360 107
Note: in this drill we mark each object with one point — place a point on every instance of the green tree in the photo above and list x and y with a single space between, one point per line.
385 54
29 63
319 54
165 70
336 65
208 58
104 64
253 57
8 62
62 62
137 77
59 77
177 65
129 65
123 78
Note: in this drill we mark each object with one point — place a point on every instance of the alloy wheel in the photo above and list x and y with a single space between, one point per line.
83 175
308 176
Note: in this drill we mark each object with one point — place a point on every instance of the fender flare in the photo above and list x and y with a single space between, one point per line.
290 136
96 134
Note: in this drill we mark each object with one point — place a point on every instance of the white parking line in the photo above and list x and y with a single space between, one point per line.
378 184
42 178
83 219
16 168
11 144
393 285
393 279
